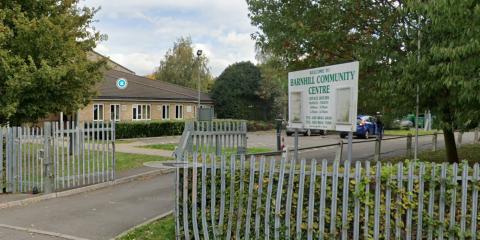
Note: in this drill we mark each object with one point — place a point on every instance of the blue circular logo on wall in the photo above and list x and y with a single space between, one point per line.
122 83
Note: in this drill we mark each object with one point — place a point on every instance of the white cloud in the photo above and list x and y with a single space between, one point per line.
139 62
140 32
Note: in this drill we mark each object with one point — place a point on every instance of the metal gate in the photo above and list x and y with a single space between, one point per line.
60 155
213 137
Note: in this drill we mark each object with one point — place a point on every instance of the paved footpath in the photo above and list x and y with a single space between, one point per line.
100 214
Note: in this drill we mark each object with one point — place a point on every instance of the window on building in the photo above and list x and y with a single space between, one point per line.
166 112
179 111
97 112
115 112
141 112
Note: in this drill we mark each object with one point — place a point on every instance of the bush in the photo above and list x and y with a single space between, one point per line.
170 128
148 129
253 126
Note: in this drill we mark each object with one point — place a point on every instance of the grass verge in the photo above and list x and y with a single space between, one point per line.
171 147
161 229
468 152
406 132
126 161
166 146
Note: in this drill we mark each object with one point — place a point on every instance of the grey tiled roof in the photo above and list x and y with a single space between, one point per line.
142 88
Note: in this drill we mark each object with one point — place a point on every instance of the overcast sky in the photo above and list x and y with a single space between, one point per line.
141 31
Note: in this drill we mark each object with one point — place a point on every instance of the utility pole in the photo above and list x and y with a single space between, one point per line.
199 53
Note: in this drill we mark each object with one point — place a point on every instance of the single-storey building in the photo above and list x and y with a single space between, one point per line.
125 96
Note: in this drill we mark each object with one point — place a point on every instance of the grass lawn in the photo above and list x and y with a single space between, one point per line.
125 141
166 146
171 147
470 152
406 132
163 229
125 161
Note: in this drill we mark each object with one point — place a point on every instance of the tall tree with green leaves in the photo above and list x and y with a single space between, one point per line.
43 58
236 93
383 36
308 34
274 85
446 69
182 66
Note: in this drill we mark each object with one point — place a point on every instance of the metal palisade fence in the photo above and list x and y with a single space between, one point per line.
238 198
57 156
218 136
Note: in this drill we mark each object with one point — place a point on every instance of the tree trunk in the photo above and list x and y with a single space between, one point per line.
450 146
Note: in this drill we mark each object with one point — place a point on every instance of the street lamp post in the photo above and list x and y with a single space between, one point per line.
415 153
199 53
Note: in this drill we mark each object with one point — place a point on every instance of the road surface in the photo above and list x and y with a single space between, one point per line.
101 214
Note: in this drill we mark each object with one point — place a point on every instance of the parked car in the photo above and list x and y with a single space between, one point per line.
366 126
304 131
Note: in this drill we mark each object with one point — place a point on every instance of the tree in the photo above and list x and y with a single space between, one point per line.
446 67
308 34
382 35
181 66
273 85
236 93
43 58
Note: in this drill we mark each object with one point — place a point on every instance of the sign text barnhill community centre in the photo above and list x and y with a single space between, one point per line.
324 98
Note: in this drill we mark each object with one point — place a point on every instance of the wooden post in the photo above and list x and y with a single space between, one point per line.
378 143
409 145
460 138
475 138
339 153
434 142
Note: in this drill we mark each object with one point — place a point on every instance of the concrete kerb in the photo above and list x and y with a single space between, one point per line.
71 192
41 232
161 216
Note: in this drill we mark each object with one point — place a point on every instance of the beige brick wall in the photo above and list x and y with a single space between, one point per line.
189 109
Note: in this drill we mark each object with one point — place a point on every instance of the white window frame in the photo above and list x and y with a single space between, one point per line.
103 112
142 107
117 111
167 107
176 111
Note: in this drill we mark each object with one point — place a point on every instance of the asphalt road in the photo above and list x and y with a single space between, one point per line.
101 214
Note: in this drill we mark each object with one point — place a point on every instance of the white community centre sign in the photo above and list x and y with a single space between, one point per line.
324 98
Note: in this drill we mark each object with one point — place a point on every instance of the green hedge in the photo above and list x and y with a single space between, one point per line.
148 129
253 126
170 128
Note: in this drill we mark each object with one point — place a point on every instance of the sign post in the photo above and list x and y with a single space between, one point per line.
324 98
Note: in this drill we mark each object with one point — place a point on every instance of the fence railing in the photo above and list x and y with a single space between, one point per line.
377 152
57 156
218 136
238 198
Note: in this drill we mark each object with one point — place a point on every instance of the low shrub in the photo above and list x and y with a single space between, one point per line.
170 128
253 126
148 129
